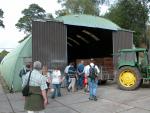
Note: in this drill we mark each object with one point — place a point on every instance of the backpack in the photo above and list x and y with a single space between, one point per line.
92 72
71 72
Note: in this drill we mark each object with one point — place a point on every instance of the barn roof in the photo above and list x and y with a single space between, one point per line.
88 21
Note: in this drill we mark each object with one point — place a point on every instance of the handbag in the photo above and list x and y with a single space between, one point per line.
25 90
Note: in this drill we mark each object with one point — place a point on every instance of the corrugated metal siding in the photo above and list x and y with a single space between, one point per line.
49 43
121 40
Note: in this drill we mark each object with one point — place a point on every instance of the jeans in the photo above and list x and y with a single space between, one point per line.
93 87
67 80
56 91
80 81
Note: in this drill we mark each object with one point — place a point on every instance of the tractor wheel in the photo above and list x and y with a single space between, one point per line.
128 78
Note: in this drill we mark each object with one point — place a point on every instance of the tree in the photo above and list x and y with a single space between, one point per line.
148 35
1 16
49 16
32 13
80 7
62 12
130 14
3 53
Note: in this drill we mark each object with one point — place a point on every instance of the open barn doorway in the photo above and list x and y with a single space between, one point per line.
86 43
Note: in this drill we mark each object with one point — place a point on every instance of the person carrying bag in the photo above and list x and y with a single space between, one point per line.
25 90
37 99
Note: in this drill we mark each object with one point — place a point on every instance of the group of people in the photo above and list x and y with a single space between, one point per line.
83 77
40 84
42 81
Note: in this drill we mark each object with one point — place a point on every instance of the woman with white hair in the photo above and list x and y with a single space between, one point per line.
38 99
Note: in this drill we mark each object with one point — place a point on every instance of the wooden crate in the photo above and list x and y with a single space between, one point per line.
105 62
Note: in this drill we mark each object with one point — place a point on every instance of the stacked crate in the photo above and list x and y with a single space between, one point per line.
108 65
105 65
106 61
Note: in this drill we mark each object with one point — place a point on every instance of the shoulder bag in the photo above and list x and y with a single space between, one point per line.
25 90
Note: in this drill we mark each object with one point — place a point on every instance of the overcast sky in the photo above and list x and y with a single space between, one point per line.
10 35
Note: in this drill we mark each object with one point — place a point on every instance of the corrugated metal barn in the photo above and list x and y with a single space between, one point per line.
75 37
68 38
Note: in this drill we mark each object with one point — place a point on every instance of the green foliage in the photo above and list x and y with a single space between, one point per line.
32 13
1 17
62 12
3 53
148 35
130 14
49 16
78 7
148 31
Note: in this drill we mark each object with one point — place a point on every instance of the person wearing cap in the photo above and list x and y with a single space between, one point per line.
37 100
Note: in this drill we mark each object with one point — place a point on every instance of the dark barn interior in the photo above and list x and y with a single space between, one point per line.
87 42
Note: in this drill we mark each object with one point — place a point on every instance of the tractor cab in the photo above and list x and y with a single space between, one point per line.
132 68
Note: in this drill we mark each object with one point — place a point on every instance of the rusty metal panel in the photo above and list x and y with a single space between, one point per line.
121 40
49 43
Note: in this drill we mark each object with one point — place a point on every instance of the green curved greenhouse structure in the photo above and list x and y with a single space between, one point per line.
13 63
51 39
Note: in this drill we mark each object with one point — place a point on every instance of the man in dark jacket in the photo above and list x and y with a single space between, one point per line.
24 70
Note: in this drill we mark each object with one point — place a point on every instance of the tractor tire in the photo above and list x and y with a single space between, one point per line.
128 78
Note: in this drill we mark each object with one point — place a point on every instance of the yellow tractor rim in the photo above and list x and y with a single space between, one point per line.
127 78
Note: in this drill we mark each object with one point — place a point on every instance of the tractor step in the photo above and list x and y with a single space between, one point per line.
146 81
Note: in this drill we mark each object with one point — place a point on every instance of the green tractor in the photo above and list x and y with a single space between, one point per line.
132 68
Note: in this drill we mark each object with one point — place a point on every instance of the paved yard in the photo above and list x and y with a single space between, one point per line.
110 100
